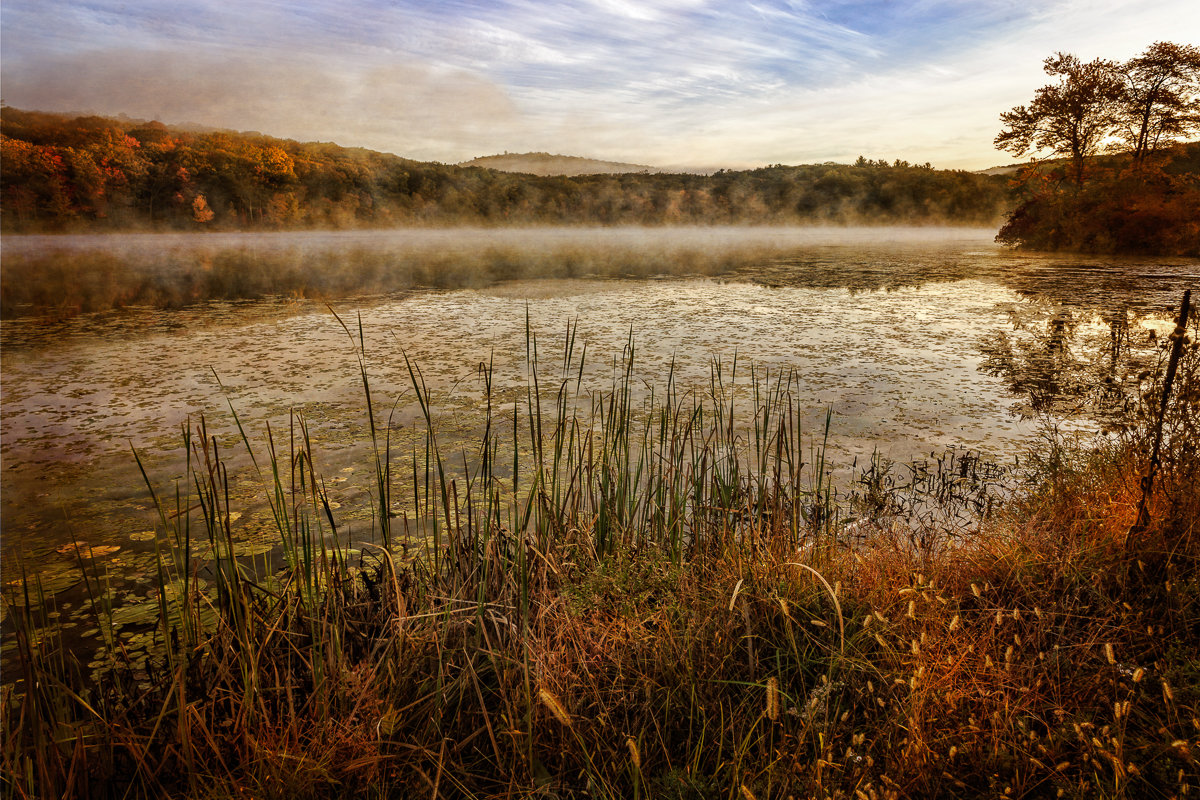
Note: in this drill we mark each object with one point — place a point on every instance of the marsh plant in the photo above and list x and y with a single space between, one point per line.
635 592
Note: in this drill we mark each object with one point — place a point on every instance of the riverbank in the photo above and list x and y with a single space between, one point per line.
667 602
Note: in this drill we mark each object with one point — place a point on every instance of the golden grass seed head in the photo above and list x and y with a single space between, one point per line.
866 623
975 590
912 609
1108 653
954 623
773 699
556 708
635 755
1138 674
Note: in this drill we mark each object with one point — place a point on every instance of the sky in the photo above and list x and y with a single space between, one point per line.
668 83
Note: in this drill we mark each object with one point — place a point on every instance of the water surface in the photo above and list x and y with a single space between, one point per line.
901 334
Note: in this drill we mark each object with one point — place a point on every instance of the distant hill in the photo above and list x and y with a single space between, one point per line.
545 164
1011 169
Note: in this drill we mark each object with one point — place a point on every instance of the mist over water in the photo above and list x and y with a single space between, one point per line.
59 276
914 339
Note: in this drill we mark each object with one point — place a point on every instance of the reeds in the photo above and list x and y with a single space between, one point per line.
631 592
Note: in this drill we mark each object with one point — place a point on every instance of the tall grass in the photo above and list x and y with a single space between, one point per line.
635 593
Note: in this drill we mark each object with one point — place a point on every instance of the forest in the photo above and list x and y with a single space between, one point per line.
94 174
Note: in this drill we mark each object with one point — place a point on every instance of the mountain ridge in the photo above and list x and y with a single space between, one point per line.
547 164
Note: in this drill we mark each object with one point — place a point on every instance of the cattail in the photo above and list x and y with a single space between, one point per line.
999 618
1017 614
1008 655
912 609
906 590
556 708
975 590
1138 674
1108 653
634 754
867 621
773 699
916 648
837 588
954 623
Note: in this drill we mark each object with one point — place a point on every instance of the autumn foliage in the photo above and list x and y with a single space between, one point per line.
1145 200
95 174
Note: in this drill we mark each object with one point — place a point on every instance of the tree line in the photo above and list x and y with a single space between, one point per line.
1146 197
93 174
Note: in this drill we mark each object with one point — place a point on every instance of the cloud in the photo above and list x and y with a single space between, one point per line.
669 82
409 107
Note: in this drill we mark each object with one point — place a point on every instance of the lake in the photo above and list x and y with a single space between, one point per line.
914 341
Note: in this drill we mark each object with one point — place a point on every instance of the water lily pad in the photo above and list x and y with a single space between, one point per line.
142 536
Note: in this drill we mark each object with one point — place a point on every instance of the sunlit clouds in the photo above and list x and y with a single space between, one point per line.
689 83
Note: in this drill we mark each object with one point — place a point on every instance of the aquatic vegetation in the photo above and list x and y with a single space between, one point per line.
624 593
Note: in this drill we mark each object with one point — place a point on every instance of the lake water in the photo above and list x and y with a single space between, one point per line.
916 340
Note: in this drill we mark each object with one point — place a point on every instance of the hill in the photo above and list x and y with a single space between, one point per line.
64 173
545 164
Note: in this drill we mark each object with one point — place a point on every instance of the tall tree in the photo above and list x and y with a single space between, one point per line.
1160 102
1072 117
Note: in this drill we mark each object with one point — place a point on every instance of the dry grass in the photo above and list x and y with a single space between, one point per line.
722 641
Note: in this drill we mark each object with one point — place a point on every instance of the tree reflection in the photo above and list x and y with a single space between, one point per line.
1074 360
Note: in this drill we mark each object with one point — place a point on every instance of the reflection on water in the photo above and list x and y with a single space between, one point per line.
916 340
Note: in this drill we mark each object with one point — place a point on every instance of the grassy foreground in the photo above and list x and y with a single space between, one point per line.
666 602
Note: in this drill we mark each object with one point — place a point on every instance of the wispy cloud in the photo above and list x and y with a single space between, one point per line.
692 82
